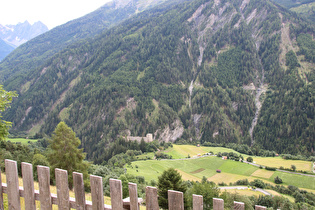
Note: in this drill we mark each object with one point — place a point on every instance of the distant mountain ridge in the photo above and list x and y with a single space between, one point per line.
12 36
22 32
57 39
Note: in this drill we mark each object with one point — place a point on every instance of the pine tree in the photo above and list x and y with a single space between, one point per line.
169 180
65 152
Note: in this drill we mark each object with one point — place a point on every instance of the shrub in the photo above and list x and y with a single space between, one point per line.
278 180
258 183
250 159
270 168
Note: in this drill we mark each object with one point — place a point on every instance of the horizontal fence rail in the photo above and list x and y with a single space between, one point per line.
63 201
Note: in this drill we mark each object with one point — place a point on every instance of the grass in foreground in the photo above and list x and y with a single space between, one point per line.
53 190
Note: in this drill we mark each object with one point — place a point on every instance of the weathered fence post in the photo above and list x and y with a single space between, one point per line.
257 207
175 200
12 184
1 194
197 202
97 192
239 206
28 185
116 194
133 194
218 204
44 187
78 185
62 189
151 198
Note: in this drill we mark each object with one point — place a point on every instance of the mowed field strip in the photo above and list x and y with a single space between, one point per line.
231 171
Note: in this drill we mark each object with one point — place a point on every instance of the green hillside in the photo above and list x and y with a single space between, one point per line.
5 49
292 3
304 8
206 71
231 171
28 57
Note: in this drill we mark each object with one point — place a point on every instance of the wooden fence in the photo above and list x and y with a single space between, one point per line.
62 199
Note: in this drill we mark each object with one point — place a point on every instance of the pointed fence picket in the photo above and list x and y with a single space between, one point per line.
62 199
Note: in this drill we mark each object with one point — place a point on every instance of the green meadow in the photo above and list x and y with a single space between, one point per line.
231 171
182 151
21 140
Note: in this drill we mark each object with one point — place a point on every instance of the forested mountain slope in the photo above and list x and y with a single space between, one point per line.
36 52
303 7
5 49
219 71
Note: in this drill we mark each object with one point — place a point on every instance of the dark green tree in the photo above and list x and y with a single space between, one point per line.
278 180
65 153
38 159
5 101
169 180
207 189
249 159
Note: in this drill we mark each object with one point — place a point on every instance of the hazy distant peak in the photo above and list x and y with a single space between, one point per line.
21 32
122 3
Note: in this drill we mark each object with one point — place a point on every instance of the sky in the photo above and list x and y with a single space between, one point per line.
50 12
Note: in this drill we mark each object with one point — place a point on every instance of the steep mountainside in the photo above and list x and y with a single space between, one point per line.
37 51
306 10
219 71
303 7
5 49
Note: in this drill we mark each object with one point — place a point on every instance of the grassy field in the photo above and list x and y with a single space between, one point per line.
278 162
244 192
182 151
231 171
22 140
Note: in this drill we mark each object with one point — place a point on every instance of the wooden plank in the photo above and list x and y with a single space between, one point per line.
218 204
197 202
151 198
62 189
28 185
44 188
1 192
78 185
116 194
239 206
12 184
133 194
175 200
257 207
97 192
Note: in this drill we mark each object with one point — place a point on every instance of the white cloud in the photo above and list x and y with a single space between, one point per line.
51 13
